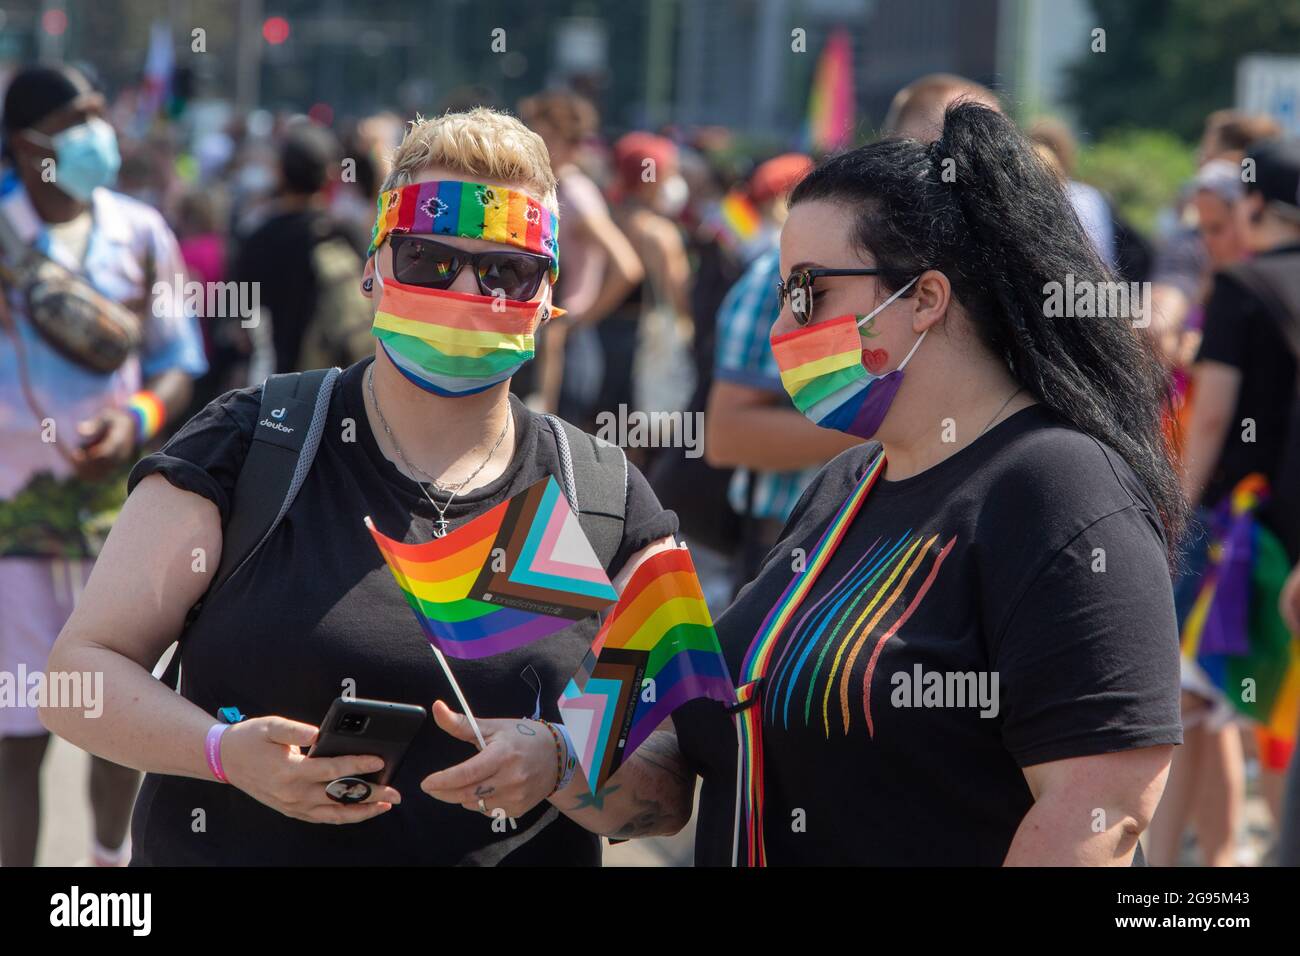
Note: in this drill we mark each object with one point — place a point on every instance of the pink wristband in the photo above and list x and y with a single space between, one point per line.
212 750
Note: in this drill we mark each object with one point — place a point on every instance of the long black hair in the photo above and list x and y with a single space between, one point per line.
980 206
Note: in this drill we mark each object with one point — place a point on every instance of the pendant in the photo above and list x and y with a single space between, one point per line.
441 530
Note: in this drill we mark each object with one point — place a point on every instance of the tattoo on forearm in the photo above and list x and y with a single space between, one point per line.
595 801
659 799
526 730
648 818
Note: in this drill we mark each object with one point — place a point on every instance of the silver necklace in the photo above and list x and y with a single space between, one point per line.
1000 410
440 528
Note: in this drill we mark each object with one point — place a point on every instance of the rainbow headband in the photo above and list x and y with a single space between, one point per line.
472 211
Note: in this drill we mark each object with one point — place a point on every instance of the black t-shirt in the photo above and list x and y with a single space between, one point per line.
316 607
1240 332
1032 554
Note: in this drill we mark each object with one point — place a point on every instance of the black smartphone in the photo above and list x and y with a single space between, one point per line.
376 727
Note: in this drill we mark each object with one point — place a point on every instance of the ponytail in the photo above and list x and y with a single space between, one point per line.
981 207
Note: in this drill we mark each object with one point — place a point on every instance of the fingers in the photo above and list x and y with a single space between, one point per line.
291 733
91 430
345 813
325 769
457 784
457 725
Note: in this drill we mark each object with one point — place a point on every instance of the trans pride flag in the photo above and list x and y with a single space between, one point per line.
509 577
659 632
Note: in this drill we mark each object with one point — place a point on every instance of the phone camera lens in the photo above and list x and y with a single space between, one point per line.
352 723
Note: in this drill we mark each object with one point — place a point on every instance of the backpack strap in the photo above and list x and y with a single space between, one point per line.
602 470
290 423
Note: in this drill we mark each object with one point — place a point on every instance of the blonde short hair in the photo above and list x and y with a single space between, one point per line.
480 143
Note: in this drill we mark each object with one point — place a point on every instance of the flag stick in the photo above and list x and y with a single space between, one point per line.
460 696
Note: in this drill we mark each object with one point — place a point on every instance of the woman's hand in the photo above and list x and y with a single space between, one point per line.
514 773
266 758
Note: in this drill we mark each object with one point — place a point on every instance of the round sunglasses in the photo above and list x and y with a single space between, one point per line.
798 289
431 264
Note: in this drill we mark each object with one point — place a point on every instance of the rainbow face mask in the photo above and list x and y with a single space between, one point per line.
823 369
453 343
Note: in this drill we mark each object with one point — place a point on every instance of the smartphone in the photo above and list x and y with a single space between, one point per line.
375 727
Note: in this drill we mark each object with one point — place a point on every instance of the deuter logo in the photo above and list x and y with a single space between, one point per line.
276 413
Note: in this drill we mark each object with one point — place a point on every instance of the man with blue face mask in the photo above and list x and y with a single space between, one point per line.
87 377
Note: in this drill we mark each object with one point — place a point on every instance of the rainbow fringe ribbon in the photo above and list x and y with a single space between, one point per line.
1234 631
511 576
149 413
472 211
656 651
758 658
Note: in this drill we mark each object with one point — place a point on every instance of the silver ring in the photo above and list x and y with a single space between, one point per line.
483 807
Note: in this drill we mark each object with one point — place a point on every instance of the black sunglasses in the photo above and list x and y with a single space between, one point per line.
798 289
435 265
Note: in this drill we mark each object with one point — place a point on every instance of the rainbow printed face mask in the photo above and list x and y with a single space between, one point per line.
453 343
822 368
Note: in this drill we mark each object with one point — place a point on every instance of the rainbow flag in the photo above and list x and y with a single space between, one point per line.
831 111
656 651
509 577
735 222
1234 631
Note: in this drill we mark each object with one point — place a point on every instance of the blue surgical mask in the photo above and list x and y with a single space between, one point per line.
85 156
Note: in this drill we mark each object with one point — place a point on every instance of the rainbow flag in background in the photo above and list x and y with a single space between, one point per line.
1234 631
735 221
656 651
509 577
831 110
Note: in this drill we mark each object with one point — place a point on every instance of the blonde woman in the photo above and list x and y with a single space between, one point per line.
420 440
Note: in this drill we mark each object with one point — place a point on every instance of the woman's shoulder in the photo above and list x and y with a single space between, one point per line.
207 453
1054 474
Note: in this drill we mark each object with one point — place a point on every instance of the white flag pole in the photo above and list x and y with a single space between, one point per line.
460 696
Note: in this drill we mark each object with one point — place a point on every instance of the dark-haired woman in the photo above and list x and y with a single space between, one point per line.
963 650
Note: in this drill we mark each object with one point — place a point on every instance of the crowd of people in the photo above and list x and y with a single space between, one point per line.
1098 511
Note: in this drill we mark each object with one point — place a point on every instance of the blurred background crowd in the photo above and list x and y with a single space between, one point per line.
260 129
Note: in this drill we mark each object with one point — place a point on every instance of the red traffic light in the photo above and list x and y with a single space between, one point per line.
275 30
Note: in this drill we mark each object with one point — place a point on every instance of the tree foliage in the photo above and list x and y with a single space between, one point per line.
1169 63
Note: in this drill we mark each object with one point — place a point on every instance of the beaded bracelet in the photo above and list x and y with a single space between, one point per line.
559 754
570 757
149 413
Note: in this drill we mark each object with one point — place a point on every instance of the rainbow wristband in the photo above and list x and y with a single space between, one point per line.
149 413
212 750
